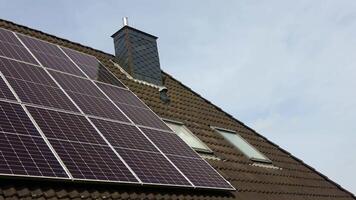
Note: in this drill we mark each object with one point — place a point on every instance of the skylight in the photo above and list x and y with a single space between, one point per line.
245 147
188 137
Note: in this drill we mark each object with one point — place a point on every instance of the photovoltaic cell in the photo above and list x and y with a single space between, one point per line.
152 167
92 67
50 55
33 85
91 161
143 117
80 146
199 172
119 95
5 91
11 47
22 149
123 135
65 126
169 143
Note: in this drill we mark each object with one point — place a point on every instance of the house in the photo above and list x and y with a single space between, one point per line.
255 166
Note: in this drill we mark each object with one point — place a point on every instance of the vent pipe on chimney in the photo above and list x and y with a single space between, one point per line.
125 21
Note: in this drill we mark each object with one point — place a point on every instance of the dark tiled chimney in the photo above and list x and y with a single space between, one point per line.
136 52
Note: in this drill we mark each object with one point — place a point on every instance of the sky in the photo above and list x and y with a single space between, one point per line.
286 68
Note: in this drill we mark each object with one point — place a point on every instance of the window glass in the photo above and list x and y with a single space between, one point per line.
188 137
243 145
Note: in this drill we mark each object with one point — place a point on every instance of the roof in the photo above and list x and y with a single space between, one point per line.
296 180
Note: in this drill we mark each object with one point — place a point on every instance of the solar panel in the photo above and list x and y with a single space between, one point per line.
81 148
123 135
5 92
152 167
169 143
90 99
92 161
50 55
143 117
200 173
22 149
65 126
92 67
77 85
11 47
120 95
33 85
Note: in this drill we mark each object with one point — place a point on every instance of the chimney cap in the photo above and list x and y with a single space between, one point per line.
133 29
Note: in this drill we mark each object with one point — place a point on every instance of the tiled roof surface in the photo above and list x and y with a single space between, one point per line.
296 180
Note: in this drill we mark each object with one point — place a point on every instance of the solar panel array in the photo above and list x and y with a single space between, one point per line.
64 115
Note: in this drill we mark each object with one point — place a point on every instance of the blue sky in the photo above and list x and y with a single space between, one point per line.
285 68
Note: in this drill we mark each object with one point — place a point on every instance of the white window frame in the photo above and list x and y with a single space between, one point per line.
199 150
266 160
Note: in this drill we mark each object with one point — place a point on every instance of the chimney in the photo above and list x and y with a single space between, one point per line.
136 52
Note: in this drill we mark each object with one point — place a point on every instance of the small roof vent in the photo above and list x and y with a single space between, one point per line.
163 95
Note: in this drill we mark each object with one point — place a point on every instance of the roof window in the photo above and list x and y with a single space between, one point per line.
187 136
246 148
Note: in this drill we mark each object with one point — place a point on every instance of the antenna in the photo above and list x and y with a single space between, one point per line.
125 21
